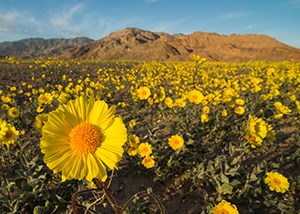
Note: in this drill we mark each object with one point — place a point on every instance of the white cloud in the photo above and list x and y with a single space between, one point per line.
171 27
249 27
108 25
64 20
8 22
257 25
16 25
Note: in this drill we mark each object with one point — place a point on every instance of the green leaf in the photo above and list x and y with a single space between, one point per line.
224 179
235 182
253 177
236 160
226 188
39 210
60 199
23 185
189 142
4 198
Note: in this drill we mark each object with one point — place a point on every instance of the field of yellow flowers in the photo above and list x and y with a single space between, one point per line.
148 137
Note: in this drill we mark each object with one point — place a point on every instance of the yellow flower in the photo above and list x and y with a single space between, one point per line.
239 110
143 93
39 109
240 102
3 127
206 110
195 96
257 130
176 142
277 105
40 121
81 137
169 102
6 99
180 102
159 95
145 149
5 106
150 101
298 106
285 109
277 182
132 123
225 207
279 115
64 97
132 151
45 98
148 162
10 136
224 113
204 118
133 140
13 112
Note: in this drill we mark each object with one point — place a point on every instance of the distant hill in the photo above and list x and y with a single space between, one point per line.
38 47
138 44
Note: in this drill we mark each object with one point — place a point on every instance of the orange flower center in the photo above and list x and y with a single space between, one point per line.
223 211
194 97
85 138
276 181
175 142
8 134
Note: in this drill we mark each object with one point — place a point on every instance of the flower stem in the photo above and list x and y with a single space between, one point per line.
109 197
146 192
74 205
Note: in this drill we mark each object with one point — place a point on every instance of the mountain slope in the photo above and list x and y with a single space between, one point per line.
138 44
38 47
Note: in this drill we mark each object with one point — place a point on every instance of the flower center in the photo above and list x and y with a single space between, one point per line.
8 134
85 138
223 211
276 181
176 142
194 97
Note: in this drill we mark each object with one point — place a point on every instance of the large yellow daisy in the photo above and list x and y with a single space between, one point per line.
81 137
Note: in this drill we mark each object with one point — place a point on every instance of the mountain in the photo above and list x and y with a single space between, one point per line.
138 44
38 47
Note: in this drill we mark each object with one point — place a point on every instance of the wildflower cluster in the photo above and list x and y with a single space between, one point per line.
190 125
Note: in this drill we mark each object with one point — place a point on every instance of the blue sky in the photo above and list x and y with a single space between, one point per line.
95 19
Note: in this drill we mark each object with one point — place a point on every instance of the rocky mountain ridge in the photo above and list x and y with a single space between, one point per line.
39 47
143 45
138 44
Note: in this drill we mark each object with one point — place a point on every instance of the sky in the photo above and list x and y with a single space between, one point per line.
20 19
